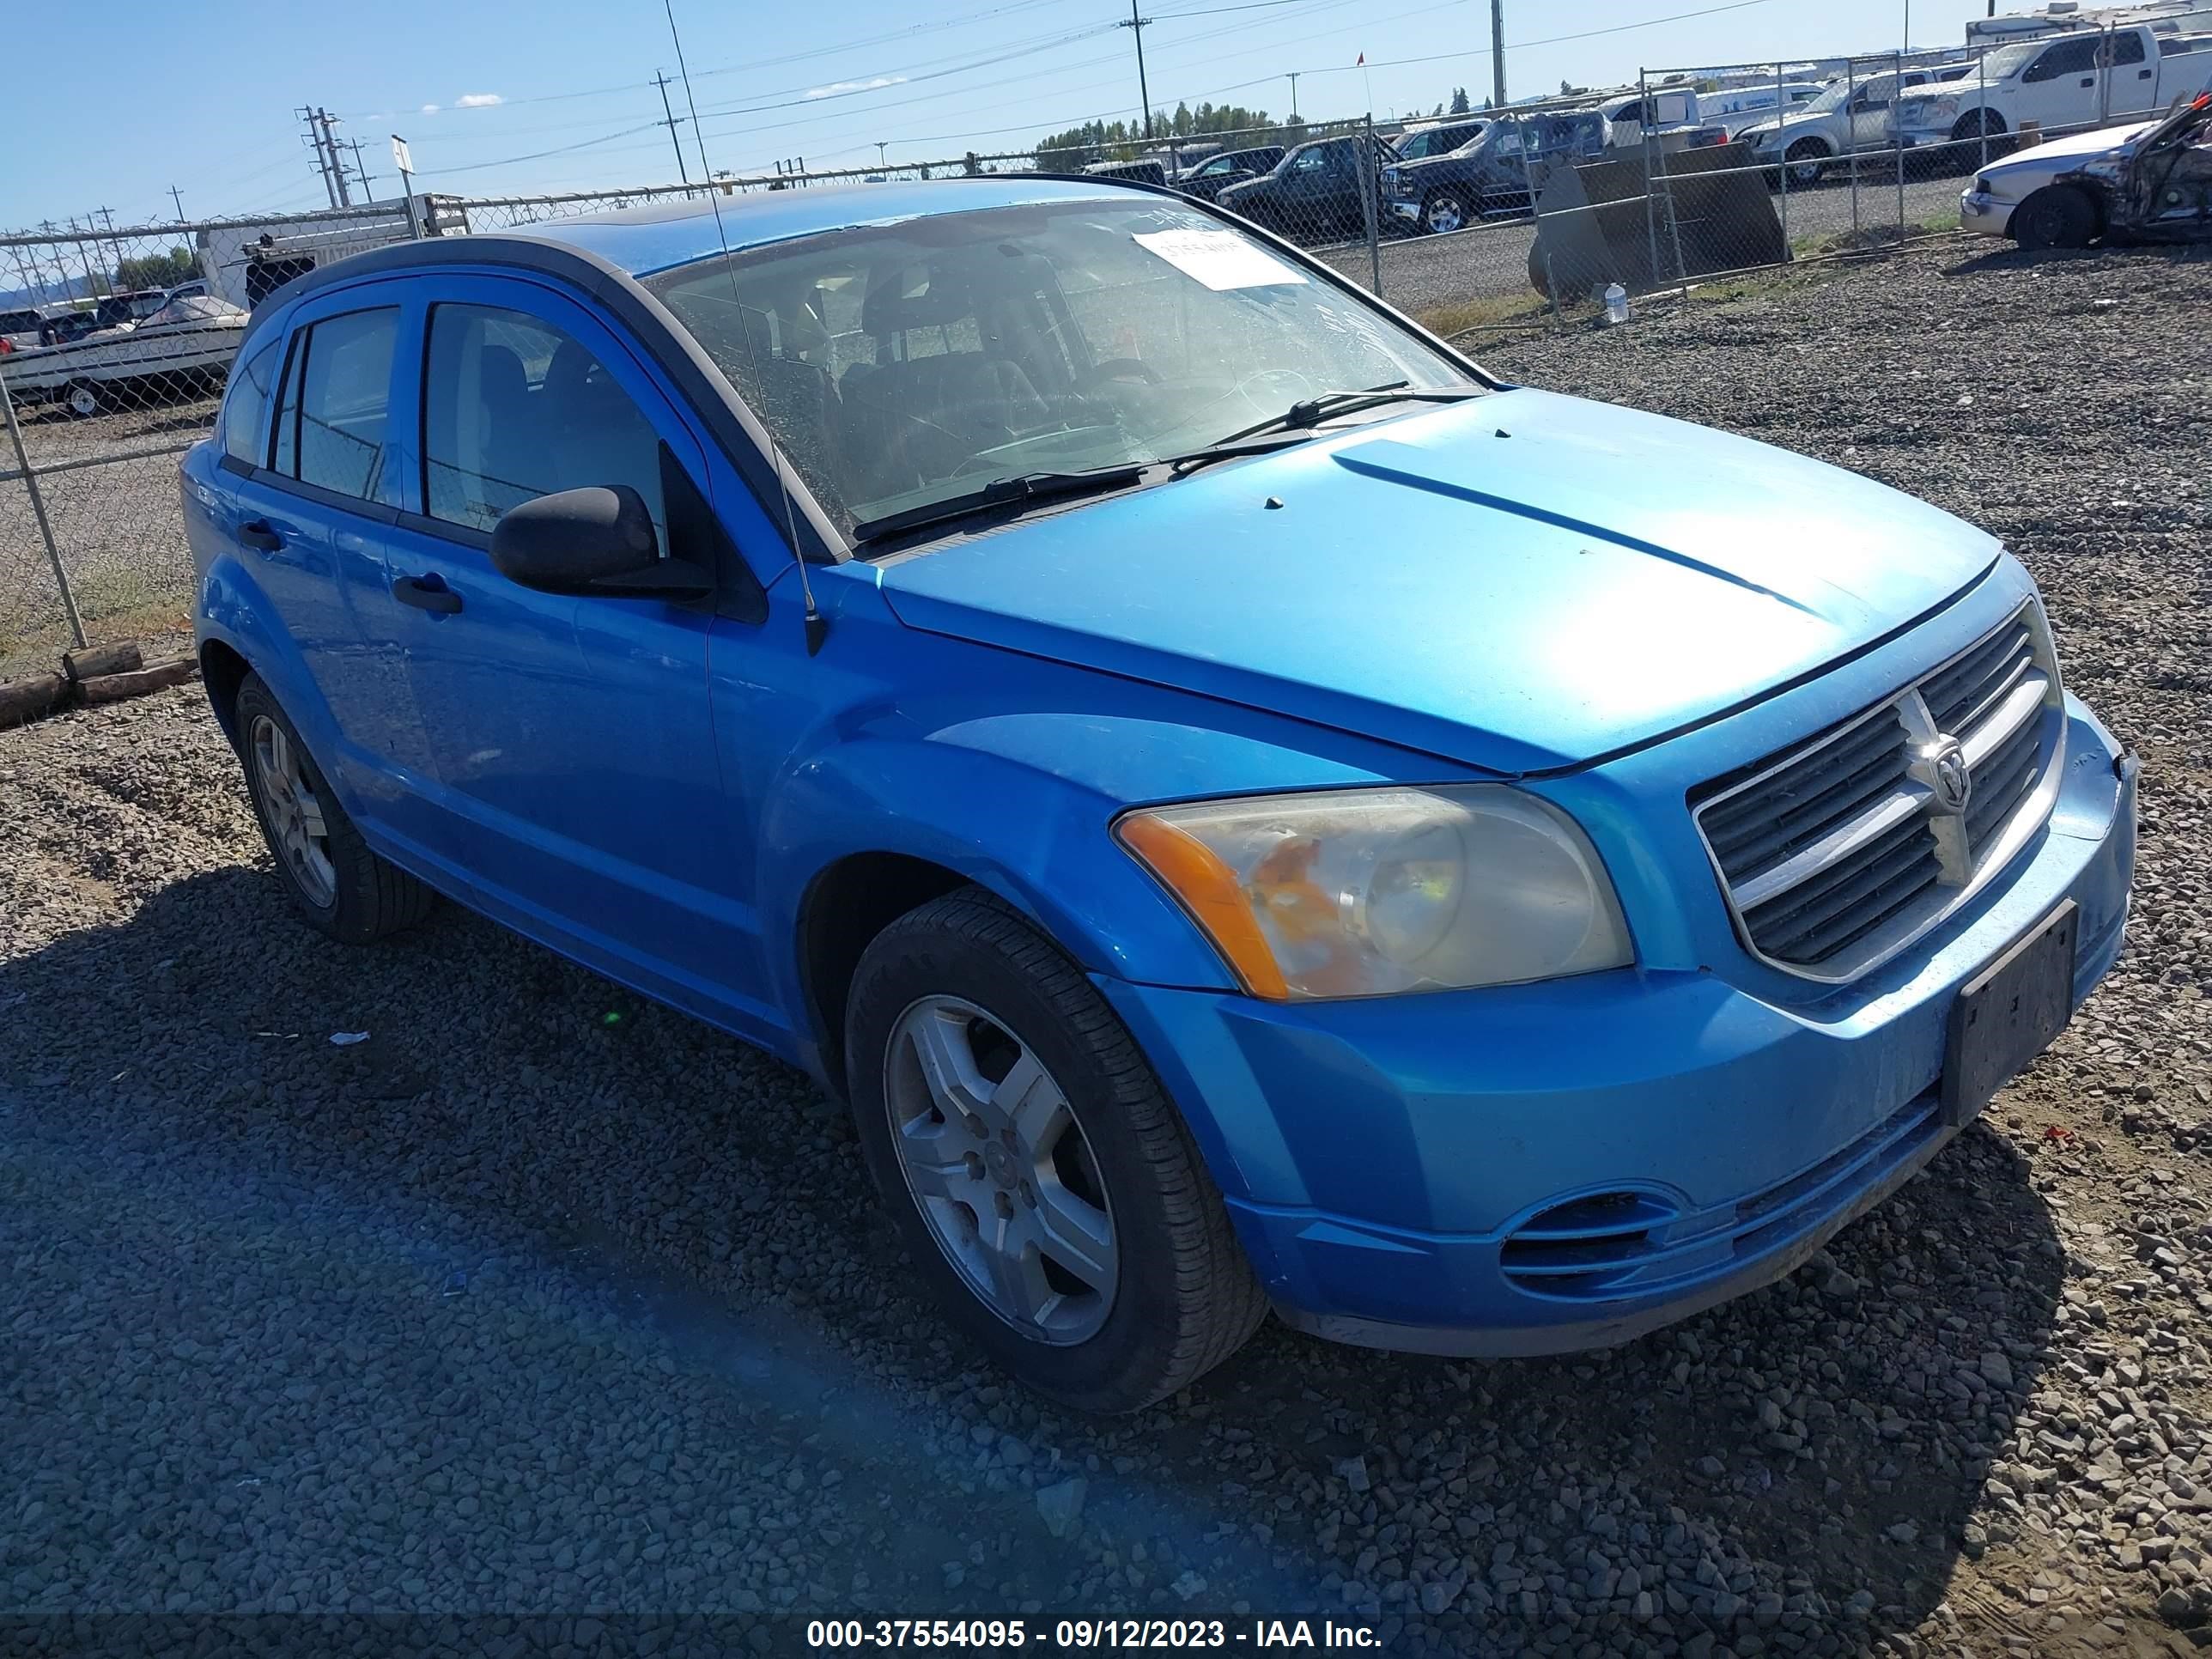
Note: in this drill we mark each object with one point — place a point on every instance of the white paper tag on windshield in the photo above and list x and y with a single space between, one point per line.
1219 259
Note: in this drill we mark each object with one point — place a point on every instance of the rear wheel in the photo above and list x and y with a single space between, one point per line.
342 889
81 399
2057 215
1051 1198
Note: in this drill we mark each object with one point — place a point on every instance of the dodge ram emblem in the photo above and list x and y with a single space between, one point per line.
1948 780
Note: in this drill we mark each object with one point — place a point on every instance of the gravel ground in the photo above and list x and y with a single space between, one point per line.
512 1310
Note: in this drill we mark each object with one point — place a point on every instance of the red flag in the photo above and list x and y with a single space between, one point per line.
1363 60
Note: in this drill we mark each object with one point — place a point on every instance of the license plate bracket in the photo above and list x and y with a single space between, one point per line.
2007 1014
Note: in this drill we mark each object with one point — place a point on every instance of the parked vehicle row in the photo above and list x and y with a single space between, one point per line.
913 627
2074 80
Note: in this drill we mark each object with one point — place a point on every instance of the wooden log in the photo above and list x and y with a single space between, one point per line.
95 660
114 687
26 700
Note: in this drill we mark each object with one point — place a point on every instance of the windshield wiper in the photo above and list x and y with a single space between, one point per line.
1016 490
1308 412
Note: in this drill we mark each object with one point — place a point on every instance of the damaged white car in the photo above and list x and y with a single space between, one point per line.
2151 182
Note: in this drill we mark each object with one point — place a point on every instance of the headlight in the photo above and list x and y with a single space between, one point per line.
1929 111
1365 892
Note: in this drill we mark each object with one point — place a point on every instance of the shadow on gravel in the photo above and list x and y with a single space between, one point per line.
2123 256
1797 1468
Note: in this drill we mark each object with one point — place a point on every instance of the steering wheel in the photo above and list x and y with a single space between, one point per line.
1118 369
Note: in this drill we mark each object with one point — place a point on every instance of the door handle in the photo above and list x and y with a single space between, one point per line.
2142 75
426 593
2089 80
257 535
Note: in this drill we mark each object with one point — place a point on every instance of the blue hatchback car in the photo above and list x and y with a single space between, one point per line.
1253 812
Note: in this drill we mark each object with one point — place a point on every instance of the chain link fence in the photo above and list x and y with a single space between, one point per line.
114 344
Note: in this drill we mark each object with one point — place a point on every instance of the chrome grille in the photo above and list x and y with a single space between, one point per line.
1837 852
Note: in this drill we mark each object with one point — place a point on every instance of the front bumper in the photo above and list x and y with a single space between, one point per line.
1409 211
1411 1172
1983 214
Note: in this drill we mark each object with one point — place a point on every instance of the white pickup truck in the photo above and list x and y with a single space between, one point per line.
1849 116
2095 77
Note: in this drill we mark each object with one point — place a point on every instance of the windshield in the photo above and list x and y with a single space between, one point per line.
1437 141
905 364
1831 98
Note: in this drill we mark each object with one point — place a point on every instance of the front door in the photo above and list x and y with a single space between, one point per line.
2061 88
573 736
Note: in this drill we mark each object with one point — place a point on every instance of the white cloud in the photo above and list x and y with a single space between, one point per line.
430 109
477 100
836 86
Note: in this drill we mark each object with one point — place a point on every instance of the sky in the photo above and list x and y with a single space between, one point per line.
506 97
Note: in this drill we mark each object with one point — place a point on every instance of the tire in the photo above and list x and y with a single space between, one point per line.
1805 163
343 890
82 398
1976 123
1444 212
1157 1296
2057 215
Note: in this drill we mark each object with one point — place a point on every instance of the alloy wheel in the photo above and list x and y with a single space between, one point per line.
1444 215
999 1168
296 823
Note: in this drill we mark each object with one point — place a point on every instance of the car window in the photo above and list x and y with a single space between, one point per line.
2067 57
1219 164
1310 160
2127 48
515 408
337 392
244 403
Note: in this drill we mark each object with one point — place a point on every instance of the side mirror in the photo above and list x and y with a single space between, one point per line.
598 539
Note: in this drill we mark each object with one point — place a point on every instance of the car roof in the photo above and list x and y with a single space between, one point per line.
643 240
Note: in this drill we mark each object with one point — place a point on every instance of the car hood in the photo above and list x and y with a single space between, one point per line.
1518 582
2061 155
1767 127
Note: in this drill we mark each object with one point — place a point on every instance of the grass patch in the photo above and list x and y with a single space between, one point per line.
117 605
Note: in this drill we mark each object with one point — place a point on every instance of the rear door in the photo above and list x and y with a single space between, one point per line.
306 501
580 782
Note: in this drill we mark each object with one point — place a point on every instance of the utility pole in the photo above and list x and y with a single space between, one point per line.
1294 93
327 151
883 154
360 171
107 218
180 201
307 115
1498 53
660 80
1137 25
92 283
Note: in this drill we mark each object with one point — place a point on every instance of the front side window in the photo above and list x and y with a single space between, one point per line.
332 424
516 408
903 363
244 403
2068 57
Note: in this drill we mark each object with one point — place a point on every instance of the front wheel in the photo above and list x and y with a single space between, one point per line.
1807 163
2057 215
1444 212
1050 1195
81 399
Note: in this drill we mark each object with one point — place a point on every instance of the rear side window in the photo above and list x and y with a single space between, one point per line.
2127 48
332 423
247 404
516 408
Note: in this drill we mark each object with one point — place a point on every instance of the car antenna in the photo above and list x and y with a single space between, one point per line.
817 625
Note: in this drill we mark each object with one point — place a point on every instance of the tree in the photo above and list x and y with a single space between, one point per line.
970 166
1460 103
156 269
